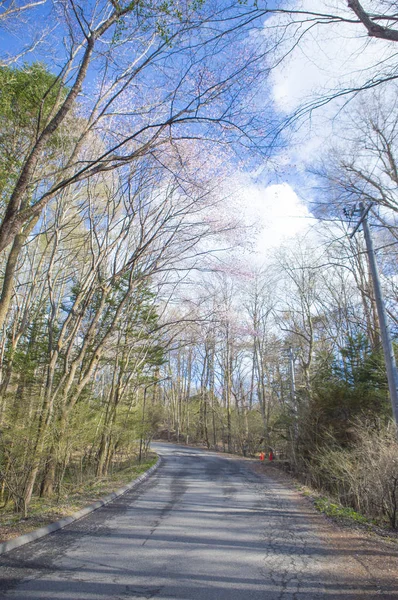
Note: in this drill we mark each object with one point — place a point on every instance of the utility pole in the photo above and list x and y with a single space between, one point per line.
391 367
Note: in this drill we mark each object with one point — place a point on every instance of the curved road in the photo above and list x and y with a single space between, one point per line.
204 527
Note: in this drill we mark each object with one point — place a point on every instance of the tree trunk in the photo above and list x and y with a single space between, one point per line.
47 485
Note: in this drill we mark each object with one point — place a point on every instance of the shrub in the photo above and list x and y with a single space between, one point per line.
363 476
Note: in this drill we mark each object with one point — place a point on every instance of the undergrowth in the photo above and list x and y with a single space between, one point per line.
72 498
331 509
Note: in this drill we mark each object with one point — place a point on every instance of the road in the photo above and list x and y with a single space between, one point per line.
204 527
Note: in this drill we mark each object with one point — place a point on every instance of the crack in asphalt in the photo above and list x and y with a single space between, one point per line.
204 527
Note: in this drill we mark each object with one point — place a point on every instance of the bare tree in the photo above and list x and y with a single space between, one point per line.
121 119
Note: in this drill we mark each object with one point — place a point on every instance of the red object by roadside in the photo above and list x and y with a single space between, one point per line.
262 455
271 455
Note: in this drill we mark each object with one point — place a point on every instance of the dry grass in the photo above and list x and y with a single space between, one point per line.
363 477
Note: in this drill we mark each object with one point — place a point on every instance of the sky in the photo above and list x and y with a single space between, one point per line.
329 58
279 213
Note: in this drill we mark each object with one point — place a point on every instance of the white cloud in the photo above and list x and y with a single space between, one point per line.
278 213
329 57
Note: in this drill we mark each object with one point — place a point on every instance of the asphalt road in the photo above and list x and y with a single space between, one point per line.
204 527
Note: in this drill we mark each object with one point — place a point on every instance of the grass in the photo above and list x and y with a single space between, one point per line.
331 509
72 498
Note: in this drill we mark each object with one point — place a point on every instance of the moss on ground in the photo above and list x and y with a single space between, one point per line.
338 511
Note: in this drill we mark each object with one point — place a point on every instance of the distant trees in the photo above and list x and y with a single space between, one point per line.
236 388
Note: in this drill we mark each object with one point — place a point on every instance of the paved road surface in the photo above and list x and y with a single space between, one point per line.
205 527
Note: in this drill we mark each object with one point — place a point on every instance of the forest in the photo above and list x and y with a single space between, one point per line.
133 304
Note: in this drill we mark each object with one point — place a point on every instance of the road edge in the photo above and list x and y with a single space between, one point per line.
43 531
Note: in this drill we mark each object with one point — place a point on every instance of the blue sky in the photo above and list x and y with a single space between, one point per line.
322 62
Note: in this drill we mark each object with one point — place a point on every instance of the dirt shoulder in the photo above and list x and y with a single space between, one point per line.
363 554
344 518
